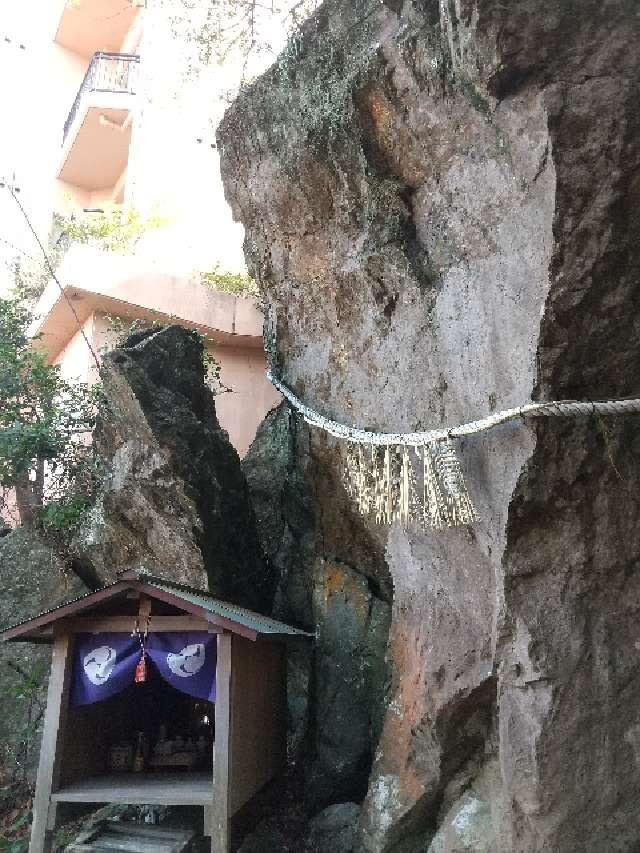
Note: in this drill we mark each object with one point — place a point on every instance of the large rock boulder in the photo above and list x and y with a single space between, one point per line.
33 578
467 828
174 499
439 201
334 829
349 680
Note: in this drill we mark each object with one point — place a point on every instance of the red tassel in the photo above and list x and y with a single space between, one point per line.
141 670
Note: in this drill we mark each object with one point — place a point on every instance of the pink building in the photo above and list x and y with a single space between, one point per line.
103 285
107 152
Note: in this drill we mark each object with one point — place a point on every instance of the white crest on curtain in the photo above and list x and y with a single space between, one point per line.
98 664
187 662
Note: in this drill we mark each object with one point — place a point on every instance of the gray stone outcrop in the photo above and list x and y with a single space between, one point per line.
439 201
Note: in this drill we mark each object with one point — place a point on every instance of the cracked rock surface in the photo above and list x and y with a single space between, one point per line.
441 207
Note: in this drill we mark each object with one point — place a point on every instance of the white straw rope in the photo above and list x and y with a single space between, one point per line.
555 409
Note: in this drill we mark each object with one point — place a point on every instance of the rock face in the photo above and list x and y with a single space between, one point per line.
337 687
468 827
174 499
334 829
34 578
440 205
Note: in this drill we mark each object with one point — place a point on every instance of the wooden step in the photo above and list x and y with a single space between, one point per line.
111 837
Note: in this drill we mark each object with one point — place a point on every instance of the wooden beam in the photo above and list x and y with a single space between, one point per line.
208 820
258 718
44 812
124 624
219 813
191 789
197 610
53 616
144 610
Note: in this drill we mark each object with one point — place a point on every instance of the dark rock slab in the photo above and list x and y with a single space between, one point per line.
336 686
334 829
174 499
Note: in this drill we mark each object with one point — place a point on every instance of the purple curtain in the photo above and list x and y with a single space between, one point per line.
105 663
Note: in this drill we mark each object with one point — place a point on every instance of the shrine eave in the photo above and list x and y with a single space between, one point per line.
185 599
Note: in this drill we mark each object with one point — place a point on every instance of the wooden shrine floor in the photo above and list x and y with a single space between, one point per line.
150 789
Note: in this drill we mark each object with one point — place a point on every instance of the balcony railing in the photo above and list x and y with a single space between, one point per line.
107 72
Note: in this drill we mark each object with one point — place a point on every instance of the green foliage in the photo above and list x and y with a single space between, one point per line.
28 386
31 274
15 822
59 516
121 328
28 692
239 283
212 369
113 228
31 683
43 418
16 839
225 29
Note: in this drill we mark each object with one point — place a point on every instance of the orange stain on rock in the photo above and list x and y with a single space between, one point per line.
397 144
408 708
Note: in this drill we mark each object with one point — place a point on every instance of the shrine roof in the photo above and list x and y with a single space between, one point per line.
190 600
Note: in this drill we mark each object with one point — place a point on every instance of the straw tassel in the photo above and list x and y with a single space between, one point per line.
457 508
382 482
387 486
405 488
361 481
433 505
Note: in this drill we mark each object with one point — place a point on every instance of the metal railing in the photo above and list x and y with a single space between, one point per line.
107 72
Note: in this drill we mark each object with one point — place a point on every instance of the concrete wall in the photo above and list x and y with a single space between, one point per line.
242 370
28 94
173 171
241 410
76 363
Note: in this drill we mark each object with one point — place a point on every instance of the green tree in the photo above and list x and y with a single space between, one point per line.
224 29
240 284
45 421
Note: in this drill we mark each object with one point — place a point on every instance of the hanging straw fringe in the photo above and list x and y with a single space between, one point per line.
454 497
380 475
433 508
382 482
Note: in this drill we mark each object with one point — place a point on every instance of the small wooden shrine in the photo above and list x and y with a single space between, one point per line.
159 694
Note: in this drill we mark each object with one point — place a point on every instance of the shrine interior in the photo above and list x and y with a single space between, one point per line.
147 728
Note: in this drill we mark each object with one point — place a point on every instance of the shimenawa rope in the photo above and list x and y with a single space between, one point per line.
553 409
381 473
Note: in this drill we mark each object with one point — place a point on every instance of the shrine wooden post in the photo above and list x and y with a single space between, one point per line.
250 720
44 811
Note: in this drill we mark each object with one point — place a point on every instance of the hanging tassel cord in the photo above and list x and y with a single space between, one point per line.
382 481
140 674
553 409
